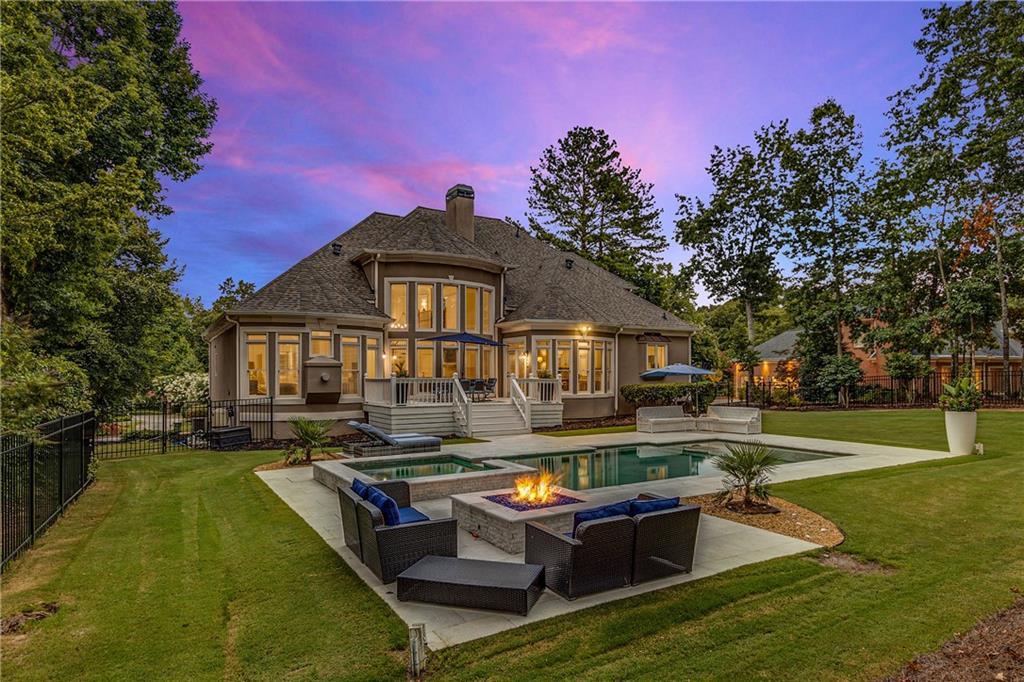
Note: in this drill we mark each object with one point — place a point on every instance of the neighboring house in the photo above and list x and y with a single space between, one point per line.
349 331
777 360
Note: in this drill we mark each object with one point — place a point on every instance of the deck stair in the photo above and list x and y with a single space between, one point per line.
497 419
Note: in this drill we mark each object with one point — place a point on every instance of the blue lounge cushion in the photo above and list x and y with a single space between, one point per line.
388 507
411 515
607 511
360 488
645 506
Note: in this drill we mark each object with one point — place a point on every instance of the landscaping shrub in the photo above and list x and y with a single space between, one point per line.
311 433
191 387
648 395
747 468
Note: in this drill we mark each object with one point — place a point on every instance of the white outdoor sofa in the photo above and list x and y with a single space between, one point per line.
657 419
730 419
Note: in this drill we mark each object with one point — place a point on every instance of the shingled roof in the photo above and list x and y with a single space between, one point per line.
539 286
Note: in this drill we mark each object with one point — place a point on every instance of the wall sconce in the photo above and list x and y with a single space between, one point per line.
585 329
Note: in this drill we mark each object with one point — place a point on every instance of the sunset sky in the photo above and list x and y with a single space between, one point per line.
329 111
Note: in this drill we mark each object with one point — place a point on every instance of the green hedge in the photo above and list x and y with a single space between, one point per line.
646 395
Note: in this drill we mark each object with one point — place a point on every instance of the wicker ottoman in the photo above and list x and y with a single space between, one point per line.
472 583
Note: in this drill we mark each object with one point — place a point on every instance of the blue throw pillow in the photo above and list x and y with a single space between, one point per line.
607 511
388 507
644 506
360 488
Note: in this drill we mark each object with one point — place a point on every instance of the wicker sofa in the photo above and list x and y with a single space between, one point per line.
731 419
616 551
389 550
667 418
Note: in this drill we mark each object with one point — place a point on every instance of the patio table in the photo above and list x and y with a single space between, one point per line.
472 583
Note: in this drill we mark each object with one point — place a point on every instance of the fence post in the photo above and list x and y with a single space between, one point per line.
32 488
270 436
163 425
60 463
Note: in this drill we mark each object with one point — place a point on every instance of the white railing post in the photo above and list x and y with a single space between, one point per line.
394 391
461 405
520 401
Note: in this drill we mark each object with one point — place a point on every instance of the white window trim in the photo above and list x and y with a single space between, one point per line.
311 356
647 346
243 365
415 326
458 306
460 309
361 345
381 352
388 281
277 368
609 370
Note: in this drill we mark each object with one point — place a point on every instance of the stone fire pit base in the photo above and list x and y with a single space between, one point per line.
504 527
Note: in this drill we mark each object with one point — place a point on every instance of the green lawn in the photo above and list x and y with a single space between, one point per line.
590 432
186 566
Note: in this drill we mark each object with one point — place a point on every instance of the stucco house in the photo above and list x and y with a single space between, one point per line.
377 322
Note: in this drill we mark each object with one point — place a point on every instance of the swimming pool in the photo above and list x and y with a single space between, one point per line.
436 465
640 463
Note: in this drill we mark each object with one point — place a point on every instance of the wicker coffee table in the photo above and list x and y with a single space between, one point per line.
472 583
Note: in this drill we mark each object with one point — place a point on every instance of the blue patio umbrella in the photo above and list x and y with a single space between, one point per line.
676 370
465 338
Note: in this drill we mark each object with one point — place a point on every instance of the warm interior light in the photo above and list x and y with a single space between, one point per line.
585 329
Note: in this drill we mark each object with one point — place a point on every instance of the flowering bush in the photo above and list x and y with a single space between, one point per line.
190 387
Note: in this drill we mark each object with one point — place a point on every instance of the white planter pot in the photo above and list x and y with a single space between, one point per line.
961 428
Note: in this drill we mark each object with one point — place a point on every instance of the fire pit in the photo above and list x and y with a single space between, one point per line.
499 516
535 491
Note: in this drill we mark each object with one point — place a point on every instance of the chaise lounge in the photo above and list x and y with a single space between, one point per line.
667 418
626 543
731 419
379 443
389 535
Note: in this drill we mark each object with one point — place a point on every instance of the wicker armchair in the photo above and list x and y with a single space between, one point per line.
598 558
665 541
389 550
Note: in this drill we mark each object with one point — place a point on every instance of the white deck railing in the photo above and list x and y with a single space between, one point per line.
541 390
519 399
463 406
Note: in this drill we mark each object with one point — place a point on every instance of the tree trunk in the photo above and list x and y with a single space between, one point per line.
749 309
1004 308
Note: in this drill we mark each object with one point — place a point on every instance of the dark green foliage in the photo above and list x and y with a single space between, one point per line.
700 393
101 108
312 434
584 199
900 365
736 234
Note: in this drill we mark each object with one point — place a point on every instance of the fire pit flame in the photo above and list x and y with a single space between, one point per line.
539 489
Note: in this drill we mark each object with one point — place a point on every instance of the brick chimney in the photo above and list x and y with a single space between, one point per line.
458 205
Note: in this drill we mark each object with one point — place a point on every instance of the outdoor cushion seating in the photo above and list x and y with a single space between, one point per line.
731 419
650 537
381 443
385 549
667 418
665 539
599 557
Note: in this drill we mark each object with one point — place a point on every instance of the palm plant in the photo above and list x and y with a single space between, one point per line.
311 434
747 468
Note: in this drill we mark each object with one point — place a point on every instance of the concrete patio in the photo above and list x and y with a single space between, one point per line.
722 545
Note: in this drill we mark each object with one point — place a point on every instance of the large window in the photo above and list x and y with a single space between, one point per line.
320 344
487 311
599 382
657 355
288 365
583 367
487 354
425 306
449 358
350 365
399 300
544 359
514 364
256 363
472 361
399 352
564 358
425 359
450 307
472 309
372 357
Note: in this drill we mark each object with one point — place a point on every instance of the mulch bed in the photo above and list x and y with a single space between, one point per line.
281 444
280 464
791 519
580 424
991 650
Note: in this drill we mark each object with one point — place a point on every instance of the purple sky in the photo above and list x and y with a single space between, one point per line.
329 111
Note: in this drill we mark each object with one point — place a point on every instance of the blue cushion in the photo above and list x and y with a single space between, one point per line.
360 488
388 507
607 511
411 515
644 506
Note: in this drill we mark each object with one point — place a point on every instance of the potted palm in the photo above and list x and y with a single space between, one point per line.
960 400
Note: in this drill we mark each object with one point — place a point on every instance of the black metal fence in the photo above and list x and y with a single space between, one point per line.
157 426
997 390
41 476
